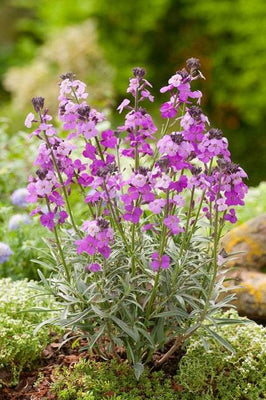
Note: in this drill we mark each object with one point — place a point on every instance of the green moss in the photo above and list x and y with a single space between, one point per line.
201 375
223 376
19 346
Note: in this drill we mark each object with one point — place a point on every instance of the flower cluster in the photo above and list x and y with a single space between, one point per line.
149 196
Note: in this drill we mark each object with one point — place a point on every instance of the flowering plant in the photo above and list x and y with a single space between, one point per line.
142 272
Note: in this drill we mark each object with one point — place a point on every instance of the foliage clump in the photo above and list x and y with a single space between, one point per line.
201 375
75 48
20 347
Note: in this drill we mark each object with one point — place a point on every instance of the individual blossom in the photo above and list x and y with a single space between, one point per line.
138 180
62 217
168 110
160 262
123 105
48 220
132 214
29 120
231 216
17 220
19 197
109 140
163 182
172 223
5 252
157 206
93 267
86 245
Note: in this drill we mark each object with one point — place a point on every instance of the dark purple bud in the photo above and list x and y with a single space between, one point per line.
41 173
193 63
196 170
215 134
183 72
163 164
139 72
84 113
38 103
68 75
62 110
143 171
195 112
102 223
142 110
177 138
107 169
228 167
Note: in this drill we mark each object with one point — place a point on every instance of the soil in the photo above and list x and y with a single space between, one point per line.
32 387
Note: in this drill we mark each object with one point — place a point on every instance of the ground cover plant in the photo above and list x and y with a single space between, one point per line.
143 272
200 375
20 347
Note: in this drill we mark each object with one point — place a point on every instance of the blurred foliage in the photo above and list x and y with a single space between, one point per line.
227 36
255 204
73 49
26 243
16 160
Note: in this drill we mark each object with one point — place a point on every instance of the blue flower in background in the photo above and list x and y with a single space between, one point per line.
19 197
17 220
5 252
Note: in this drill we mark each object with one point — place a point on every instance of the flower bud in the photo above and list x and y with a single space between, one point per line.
139 72
38 103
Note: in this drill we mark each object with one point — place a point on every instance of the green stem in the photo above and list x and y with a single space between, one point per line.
118 225
217 233
59 245
162 247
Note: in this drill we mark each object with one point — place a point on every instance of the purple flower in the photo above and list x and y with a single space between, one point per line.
108 139
87 245
231 216
132 214
48 220
168 110
89 151
93 267
56 198
138 180
172 223
124 104
29 119
160 262
157 205
62 217
85 179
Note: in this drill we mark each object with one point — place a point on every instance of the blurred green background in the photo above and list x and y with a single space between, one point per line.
101 41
